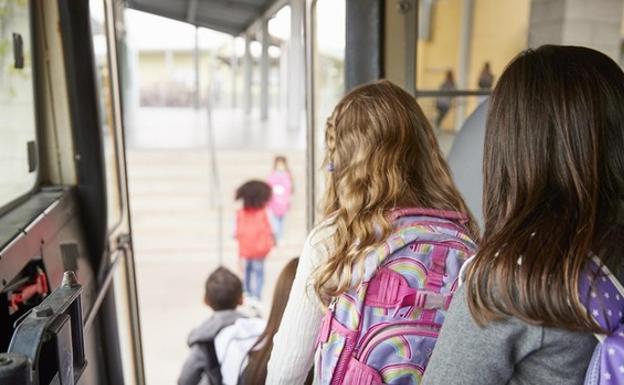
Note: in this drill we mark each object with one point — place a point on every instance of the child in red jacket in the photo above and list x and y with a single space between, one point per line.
254 233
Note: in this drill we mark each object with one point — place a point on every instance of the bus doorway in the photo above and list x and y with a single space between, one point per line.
190 144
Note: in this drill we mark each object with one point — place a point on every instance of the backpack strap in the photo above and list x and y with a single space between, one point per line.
435 278
389 289
463 270
603 296
213 366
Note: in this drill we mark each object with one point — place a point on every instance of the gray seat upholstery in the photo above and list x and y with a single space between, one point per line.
466 160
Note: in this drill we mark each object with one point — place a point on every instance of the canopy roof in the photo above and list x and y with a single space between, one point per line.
229 16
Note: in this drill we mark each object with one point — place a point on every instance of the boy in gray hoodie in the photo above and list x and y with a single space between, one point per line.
223 293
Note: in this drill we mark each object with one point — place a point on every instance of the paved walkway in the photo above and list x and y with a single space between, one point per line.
175 225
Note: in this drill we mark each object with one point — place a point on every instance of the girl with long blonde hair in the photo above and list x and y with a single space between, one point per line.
381 156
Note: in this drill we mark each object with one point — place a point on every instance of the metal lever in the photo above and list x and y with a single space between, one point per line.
48 345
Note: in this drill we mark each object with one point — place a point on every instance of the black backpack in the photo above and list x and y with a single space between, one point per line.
213 366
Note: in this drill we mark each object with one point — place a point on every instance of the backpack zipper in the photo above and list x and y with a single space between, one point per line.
343 362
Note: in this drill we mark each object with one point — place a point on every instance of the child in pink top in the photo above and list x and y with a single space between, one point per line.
280 181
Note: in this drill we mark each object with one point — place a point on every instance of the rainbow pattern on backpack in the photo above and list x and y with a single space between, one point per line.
384 330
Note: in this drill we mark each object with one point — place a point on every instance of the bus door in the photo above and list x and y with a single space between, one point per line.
68 301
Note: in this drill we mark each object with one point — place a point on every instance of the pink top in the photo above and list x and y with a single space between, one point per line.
282 191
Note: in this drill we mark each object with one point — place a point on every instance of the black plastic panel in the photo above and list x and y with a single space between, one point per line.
81 75
364 42
28 217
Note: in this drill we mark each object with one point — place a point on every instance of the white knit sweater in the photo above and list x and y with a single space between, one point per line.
294 343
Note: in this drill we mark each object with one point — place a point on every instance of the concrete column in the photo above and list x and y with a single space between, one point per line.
465 38
196 70
234 67
410 10
594 24
283 77
264 71
248 72
364 35
295 66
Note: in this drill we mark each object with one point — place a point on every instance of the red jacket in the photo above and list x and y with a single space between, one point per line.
254 233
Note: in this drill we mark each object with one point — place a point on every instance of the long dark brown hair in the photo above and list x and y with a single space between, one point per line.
256 371
553 169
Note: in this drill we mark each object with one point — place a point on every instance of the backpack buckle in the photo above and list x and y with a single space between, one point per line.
429 300
435 280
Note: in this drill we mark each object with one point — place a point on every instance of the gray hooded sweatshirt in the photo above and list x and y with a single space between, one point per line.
195 364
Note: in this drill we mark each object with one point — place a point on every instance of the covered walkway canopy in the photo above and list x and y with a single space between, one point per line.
248 18
229 16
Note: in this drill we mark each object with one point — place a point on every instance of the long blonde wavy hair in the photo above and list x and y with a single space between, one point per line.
382 154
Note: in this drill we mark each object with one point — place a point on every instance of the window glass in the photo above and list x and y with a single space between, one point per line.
107 122
329 73
465 46
18 153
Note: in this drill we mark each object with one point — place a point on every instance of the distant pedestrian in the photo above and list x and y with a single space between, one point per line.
486 78
254 232
443 103
281 182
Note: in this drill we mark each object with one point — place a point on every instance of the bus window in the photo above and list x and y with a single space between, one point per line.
329 74
18 153
463 46
105 98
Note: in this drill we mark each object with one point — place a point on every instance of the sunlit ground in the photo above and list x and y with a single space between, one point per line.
175 224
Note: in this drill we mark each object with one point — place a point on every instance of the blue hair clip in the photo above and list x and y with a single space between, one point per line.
330 167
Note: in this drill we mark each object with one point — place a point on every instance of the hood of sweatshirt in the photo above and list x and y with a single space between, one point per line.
209 328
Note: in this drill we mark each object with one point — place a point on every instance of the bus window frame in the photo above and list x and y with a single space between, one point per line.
412 55
309 30
35 68
110 44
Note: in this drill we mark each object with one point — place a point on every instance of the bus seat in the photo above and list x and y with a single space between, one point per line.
466 160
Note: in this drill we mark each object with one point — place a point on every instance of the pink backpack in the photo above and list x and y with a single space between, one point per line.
282 189
384 330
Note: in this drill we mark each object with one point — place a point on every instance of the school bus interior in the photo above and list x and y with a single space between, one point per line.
78 208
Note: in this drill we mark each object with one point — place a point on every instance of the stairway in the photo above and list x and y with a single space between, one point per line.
175 230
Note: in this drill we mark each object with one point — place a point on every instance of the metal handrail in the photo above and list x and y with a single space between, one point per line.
116 256
215 177
451 93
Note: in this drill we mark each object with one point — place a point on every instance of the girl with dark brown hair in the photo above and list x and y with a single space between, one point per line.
255 233
553 185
